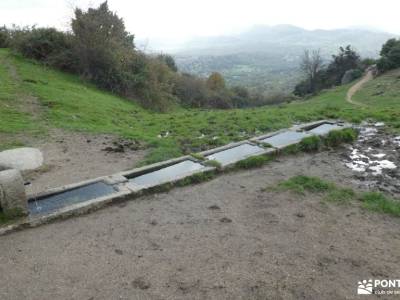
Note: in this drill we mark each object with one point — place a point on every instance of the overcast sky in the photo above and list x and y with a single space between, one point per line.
177 19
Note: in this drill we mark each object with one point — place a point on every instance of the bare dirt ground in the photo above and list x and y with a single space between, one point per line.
72 157
224 239
349 97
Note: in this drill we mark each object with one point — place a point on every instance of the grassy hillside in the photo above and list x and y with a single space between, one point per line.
66 102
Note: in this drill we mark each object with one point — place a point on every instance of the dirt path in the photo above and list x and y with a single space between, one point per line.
356 87
224 239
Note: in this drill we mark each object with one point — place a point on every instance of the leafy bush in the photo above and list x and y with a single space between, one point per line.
45 44
100 50
4 37
333 74
390 55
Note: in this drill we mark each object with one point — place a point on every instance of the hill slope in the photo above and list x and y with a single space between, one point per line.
267 57
35 99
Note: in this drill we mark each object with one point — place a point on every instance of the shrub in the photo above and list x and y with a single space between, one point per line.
44 44
390 55
4 37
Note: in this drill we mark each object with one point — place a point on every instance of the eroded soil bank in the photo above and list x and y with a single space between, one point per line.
224 239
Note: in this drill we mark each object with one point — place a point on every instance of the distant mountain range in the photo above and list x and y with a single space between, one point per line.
266 58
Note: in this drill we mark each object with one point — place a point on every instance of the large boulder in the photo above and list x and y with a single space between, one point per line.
13 200
21 159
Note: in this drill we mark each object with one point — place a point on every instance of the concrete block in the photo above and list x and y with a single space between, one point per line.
12 193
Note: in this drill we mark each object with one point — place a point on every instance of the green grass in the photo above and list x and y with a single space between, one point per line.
380 203
213 163
337 137
253 162
302 184
373 201
382 96
12 119
10 216
71 104
310 144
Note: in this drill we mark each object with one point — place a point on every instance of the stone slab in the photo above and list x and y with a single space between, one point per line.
21 159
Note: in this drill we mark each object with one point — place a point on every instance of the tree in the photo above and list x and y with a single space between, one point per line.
390 55
346 59
169 61
102 45
216 82
4 37
311 64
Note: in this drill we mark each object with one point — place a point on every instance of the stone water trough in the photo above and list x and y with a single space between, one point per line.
92 194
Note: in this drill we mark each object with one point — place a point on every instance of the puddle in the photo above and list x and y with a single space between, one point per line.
285 138
235 154
166 174
324 129
55 202
375 159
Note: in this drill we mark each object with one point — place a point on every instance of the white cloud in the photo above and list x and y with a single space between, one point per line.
183 18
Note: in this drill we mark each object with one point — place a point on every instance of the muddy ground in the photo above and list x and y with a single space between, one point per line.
224 239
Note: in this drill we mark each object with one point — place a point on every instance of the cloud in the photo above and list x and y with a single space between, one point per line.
182 18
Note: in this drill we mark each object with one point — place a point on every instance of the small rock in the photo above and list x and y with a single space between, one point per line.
225 220
300 215
119 251
214 207
140 283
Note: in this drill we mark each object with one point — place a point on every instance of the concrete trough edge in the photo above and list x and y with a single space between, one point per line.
154 167
225 147
304 126
119 180
68 211
137 189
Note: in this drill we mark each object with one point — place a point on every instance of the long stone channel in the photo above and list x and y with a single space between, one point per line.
86 196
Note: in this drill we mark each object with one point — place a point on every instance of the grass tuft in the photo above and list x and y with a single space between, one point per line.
213 163
301 184
310 144
253 162
338 137
378 202
10 216
373 201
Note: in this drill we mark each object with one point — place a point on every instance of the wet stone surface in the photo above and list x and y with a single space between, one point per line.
285 138
235 154
375 159
55 202
166 174
324 129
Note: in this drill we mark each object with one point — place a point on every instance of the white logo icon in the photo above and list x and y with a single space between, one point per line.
365 287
